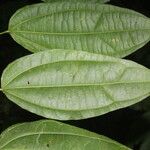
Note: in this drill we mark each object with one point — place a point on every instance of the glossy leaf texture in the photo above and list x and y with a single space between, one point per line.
85 1
68 85
52 135
95 28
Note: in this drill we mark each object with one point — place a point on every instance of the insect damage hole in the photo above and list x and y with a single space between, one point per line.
47 145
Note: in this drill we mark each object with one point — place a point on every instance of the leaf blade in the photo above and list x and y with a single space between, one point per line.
96 28
85 1
68 85
47 134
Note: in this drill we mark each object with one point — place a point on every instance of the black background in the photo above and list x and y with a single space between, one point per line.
130 126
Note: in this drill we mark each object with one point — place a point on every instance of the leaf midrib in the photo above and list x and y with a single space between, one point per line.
79 33
77 85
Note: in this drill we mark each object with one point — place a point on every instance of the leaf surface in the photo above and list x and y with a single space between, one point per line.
69 85
85 1
95 28
52 135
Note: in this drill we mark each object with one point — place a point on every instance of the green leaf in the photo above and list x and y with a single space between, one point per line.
84 1
67 85
96 28
52 135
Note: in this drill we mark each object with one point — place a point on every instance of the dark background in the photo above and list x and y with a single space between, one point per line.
130 126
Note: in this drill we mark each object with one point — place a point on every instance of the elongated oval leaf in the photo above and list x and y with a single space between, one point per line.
96 28
74 85
52 135
75 1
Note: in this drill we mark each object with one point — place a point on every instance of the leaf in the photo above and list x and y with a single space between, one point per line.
85 1
96 28
69 85
48 134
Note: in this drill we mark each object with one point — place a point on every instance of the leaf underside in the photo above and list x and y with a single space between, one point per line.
52 135
68 85
85 1
95 28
